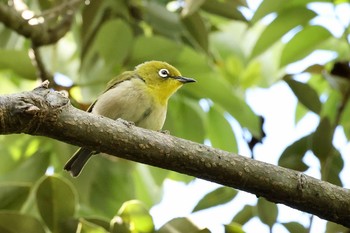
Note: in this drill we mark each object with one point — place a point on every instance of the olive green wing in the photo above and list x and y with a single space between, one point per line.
127 75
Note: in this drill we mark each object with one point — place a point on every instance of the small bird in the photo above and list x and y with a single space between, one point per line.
140 96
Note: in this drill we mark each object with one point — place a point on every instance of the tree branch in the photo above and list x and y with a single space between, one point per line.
48 113
37 61
40 33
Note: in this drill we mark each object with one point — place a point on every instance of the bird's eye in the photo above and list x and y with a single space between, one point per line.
163 73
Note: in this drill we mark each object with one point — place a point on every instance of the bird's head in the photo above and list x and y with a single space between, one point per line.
162 78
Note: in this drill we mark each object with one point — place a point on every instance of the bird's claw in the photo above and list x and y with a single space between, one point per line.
127 123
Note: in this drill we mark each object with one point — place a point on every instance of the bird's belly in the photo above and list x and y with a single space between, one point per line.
145 115
131 105
152 118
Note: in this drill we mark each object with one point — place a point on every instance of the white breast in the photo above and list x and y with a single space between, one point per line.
130 101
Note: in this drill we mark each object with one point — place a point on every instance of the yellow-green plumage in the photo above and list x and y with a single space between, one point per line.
140 96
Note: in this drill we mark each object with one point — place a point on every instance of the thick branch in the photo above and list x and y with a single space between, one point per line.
48 113
40 33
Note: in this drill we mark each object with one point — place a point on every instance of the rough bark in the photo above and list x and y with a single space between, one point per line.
49 113
40 33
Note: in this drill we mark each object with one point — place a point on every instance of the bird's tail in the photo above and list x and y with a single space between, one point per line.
76 163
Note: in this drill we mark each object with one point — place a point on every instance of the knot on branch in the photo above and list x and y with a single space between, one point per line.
25 112
53 99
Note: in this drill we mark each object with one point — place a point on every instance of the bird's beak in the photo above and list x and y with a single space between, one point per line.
185 79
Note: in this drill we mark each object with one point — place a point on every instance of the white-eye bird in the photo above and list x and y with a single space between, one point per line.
140 96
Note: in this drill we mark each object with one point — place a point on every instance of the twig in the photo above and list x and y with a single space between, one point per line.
57 10
310 223
37 61
341 107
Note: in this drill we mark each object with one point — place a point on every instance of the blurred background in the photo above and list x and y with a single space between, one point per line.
273 84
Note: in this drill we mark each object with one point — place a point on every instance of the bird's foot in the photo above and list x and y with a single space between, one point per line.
167 132
125 122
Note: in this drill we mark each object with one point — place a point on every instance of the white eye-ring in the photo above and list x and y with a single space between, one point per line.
164 73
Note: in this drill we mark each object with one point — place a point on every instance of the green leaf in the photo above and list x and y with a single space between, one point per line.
305 2
13 195
234 228
232 69
52 192
95 73
283 23
339 46
180 177
295 227
146 188
267 212
94 16
191 6
89 227
220 132
292 156
197 30
318 83
344 121
244 215
227 43
9 39
161 20
339 83
322 139
332 227
12 83
300 112
330 109
106 56
116 175
177 225
303 43
91 18
114 41
118 226
305 94
154 48
158 174
44 5
269 6
35 167
211 85
11 222
266 7
99 222
217 197
227 9
252 74
135 216
331 167
18 62
185 119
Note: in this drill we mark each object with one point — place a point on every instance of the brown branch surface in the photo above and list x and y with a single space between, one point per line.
41 33
48 113
38 62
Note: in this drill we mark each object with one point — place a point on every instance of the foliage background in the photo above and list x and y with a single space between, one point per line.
229 48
